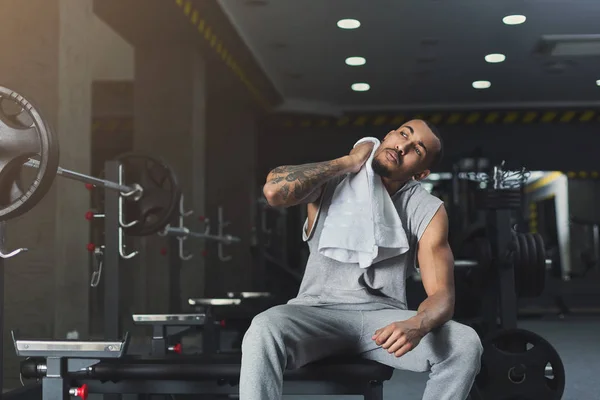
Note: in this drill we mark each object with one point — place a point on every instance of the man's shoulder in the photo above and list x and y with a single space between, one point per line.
417 200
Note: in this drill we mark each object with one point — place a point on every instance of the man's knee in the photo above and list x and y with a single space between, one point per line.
467 345
266 327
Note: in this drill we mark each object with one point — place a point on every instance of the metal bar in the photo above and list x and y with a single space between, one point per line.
460 263
2 275
110 271
224 238
174 276
465 263
107 184
185 232
506 270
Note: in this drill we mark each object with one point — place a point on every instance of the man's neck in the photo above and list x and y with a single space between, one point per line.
392 186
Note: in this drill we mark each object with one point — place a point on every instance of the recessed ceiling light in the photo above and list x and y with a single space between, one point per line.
514 19
348 23
360 87
481 84
355 61
598 82
495 58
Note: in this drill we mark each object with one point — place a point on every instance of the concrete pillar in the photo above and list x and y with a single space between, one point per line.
48 61
169 122
231 183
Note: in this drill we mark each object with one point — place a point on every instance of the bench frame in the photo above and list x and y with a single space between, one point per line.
369 390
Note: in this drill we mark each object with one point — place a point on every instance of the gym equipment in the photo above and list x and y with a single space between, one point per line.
181 232
528 256
530 264
234 311
23 136
206 375
149 184
520 364
167 327
499 195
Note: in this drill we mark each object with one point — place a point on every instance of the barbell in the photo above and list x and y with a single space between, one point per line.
527 254
148 184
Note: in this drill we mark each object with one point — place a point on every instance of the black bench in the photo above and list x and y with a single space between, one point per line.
217 375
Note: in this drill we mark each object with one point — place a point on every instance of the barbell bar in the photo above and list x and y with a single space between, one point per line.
185 232
28 141
464 263
125 190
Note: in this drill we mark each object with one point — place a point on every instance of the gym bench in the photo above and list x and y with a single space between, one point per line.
214 375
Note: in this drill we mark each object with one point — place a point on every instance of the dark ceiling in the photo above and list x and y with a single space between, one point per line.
424 54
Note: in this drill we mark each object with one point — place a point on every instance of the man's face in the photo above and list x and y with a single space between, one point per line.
406 152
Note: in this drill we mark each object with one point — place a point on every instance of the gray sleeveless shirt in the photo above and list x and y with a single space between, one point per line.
331 283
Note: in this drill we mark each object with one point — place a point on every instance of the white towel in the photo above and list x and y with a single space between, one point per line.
362 225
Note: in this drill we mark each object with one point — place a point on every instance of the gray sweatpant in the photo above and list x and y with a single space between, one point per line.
290 336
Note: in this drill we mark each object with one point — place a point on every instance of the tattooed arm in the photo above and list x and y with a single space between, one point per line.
297 184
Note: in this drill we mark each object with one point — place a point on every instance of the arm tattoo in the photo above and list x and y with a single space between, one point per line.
302 180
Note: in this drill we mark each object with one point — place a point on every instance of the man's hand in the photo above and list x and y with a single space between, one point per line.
360 154
400 337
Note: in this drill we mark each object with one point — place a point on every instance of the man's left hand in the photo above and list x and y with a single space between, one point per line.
400 337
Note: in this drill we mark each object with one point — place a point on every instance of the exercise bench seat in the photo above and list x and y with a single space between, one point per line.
219 374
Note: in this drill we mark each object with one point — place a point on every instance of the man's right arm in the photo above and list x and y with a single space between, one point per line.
288 186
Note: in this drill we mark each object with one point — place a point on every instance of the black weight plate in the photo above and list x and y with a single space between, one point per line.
540 262
519 364
522 278
161 193
484 253
23 135
535 285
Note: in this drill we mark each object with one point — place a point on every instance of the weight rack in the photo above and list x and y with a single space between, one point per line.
500 198
113 236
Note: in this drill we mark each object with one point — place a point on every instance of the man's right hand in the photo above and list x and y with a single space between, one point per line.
359 155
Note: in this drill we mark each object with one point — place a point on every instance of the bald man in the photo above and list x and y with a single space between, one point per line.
342 309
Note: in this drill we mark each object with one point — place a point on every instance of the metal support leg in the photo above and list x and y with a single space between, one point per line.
210 333
174 276
54 385
159 340
499 226
374 391
111 271
2 228
112 242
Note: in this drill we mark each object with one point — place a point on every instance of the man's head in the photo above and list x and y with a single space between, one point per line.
410 151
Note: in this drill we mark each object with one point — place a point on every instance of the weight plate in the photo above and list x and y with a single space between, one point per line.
522 278
540 262
535 286
483 253
24 134
519 364
160 197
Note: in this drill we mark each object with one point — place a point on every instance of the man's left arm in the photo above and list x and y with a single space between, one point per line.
436 264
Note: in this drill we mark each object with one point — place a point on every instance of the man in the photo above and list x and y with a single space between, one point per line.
344 309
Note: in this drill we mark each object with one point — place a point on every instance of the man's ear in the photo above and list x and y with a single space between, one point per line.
422 175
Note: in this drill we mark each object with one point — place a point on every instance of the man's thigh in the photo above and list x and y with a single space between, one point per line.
308 333
435 347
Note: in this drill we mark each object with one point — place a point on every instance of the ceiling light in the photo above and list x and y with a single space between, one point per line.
348 23
355 61
514 19
598 82
495 58
360 87
481 84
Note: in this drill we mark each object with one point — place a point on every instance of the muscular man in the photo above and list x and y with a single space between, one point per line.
344 309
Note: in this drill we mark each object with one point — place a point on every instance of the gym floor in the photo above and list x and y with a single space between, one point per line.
575 338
